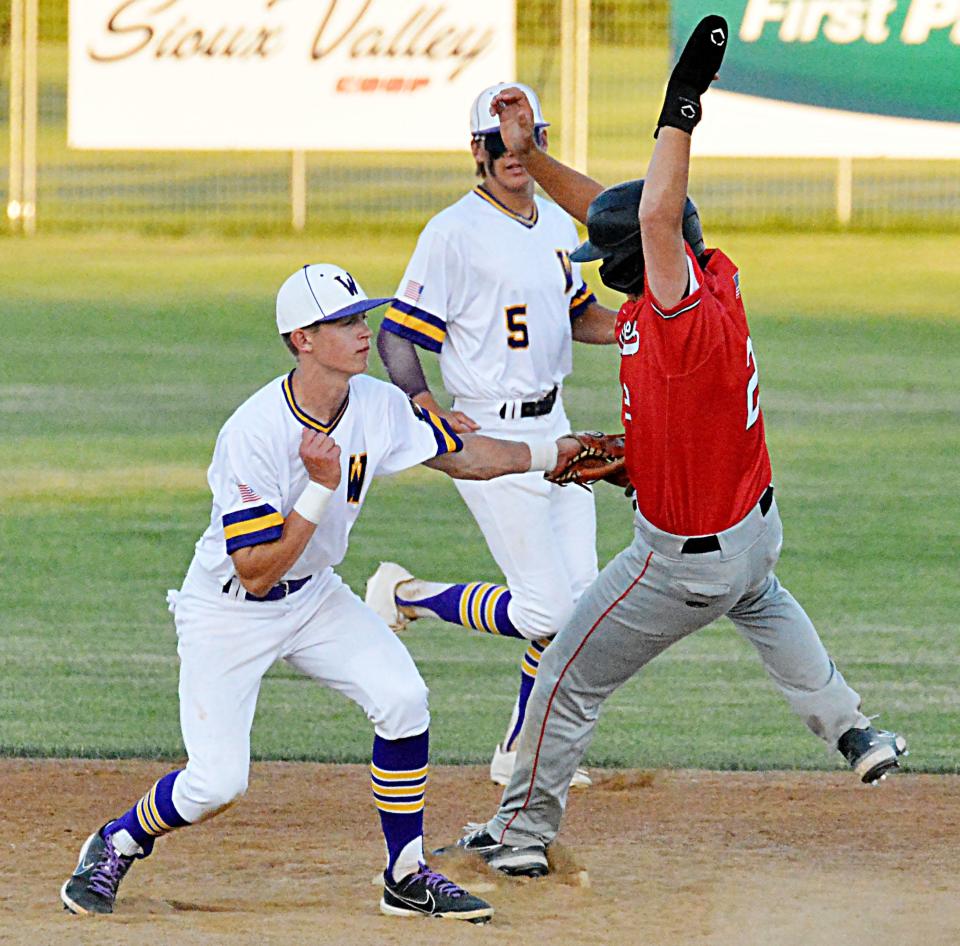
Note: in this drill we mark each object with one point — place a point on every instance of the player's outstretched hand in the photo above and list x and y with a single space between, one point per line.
698 65
516 120
568 448
588 456
321 457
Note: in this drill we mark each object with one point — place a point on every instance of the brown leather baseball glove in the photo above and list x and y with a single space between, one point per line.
601 457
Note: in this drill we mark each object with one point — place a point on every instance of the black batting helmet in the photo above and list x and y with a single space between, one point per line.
613 231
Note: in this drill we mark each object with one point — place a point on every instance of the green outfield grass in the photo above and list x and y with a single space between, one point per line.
123 355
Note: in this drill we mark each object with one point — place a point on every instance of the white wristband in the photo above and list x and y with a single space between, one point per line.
543 454
313 500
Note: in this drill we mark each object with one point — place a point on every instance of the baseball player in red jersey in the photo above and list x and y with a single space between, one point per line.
696 450
708 533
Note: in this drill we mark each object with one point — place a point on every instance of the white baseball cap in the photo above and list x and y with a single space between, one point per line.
320 292
483 123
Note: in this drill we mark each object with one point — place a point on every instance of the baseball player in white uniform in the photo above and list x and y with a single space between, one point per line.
287 488
491 289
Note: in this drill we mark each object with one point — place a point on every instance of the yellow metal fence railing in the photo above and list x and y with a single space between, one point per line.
628 62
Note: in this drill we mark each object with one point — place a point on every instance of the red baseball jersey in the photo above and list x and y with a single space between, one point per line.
695 444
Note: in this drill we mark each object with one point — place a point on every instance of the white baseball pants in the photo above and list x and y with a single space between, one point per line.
227 644
542 536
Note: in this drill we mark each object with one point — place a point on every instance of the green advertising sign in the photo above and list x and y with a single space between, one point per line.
885 57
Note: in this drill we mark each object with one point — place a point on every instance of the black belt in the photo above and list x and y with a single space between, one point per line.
279 591
710 543
535 408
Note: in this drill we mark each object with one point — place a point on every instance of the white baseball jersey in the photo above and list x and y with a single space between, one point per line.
257 475
494 293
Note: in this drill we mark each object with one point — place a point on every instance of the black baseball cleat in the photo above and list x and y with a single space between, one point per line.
526 861
92 888
872 753
427 893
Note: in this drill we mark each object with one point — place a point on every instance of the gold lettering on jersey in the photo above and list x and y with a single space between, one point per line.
517 334
356 474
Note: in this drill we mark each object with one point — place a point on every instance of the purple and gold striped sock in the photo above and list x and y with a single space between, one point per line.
398 772
529 664
152 816
477 604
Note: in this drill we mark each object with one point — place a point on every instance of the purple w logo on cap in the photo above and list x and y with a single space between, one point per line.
349 284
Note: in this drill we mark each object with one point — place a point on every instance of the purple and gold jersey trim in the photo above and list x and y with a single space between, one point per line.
251 527
447 440
528 222
581 301
415 325
304 418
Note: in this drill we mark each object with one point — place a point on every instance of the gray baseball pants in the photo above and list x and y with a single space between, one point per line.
647 598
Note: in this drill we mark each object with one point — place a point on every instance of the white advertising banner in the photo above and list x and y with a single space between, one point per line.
312 75
736 125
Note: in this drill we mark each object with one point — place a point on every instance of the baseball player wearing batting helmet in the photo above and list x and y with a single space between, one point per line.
491 289
289 475
708 533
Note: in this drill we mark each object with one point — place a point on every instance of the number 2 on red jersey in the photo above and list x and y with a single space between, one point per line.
753 393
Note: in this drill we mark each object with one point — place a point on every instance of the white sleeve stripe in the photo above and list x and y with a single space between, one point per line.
692 286
694 283
673 315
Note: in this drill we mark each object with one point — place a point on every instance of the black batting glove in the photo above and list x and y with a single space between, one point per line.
691 77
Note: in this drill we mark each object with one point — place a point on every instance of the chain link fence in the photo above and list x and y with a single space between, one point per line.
250 191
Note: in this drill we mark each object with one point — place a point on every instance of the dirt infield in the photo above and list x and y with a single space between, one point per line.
670 858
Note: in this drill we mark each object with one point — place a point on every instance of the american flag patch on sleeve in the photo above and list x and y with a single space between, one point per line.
412 291
248 495
736 282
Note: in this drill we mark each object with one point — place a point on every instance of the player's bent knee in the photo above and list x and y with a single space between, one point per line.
226 794
403 711
199 796
223 793
541 620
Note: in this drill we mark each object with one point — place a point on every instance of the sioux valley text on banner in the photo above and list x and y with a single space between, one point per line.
283 74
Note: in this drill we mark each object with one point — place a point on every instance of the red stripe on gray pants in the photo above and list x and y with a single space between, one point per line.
556 686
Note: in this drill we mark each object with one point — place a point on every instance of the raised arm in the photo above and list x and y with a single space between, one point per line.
570 189
661 216
665 186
